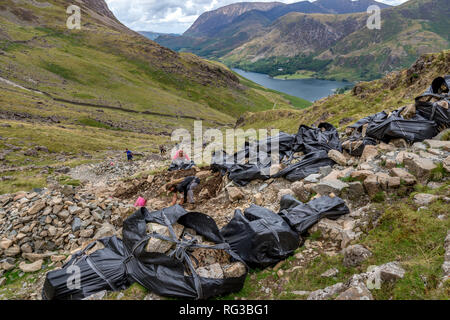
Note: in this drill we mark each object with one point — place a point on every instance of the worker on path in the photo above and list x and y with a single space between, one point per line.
129 155
187 187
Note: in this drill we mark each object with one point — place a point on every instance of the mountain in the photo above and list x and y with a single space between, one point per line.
211 22
217 32
154 35
106 64
342 47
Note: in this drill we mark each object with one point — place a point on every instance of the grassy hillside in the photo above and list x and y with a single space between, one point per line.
114 66
101 89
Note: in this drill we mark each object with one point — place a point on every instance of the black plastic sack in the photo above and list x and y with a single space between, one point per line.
181 165
440 85
242 171
324 137
301 217
165 274
435 113
244 174
427 104
380 116
395 126
260 237
310 164
102 270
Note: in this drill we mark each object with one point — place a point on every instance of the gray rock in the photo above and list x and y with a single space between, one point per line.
355 190
64 214
213 271
313 178
359 292
391 271
355 255
74 209
106 230
420 167
328 292
324 171
330 186
330 273
68 190
76 224
96 296
424 199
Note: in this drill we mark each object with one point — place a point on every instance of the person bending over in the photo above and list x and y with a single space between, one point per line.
187 187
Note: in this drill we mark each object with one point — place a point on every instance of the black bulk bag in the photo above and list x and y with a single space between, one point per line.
412 130
243 174
165 274
103 269
324 137
260 237
310 164
301 217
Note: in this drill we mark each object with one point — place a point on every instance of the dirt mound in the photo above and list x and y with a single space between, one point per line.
154 186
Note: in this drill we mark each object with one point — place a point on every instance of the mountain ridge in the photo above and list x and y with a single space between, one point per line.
215 34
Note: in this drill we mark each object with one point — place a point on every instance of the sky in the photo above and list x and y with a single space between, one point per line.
174 16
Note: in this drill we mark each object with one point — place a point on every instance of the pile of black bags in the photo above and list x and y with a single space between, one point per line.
120 264
314 143
423 120
259 238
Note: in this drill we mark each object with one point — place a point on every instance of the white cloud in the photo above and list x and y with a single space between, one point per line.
173 16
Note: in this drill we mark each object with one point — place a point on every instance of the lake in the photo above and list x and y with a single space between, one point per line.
309 89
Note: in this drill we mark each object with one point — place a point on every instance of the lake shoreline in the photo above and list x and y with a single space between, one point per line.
311 89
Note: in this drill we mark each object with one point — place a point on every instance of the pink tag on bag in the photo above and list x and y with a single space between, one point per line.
140 202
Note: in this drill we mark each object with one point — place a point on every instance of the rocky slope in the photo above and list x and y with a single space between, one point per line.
40 229
396 232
